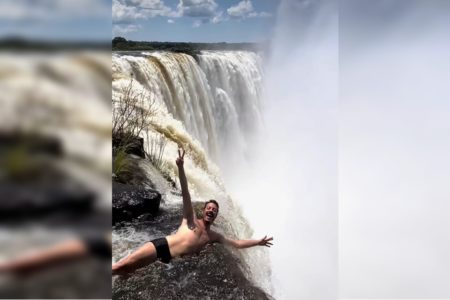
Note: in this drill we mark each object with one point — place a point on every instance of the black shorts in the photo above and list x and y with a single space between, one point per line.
98 246
162 249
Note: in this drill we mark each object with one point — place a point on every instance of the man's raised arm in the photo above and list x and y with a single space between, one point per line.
241 244
188 211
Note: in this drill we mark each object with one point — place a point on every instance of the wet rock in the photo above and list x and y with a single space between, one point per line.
134 146
130 202
213 274
133 174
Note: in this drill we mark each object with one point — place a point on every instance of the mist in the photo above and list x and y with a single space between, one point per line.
289 188
393 149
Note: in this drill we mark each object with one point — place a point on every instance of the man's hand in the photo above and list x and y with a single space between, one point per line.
180 158
266 241
241 244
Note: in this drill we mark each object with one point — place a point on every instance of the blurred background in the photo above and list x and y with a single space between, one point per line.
393 149
55 149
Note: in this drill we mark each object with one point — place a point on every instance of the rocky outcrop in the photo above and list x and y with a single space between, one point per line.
134 145
133 174
130 202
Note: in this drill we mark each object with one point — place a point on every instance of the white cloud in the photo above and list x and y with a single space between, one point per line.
123 29
153 8
241 10
244 9
121 12
262 14
127 11
124 11
197 8
218 18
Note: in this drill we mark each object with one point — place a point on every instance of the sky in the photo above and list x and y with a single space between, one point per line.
140 20
194 20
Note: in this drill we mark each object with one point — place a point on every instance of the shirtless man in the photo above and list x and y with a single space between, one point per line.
192 235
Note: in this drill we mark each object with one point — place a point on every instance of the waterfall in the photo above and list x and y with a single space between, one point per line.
211 105
216 100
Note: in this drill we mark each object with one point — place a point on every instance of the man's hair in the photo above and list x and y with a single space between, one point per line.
211 201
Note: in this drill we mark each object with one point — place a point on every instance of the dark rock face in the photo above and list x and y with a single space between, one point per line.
134 175
135 146
214 273
130 202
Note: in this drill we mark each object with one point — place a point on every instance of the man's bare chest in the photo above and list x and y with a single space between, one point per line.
195 237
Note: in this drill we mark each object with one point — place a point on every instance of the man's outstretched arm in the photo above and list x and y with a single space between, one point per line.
241 244
188 211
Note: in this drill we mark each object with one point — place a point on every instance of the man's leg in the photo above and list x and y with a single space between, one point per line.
141 257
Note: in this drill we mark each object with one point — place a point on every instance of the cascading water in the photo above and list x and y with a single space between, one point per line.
211 106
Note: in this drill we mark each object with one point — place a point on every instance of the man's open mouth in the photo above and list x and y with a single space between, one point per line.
211 215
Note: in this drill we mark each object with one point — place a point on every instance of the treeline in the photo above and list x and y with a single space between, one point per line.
121 44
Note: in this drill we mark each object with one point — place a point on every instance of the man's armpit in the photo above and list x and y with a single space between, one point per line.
217 237
191 226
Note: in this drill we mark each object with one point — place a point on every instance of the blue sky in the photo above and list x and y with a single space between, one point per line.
194 20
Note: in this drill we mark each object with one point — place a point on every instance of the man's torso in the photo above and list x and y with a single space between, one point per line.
188 241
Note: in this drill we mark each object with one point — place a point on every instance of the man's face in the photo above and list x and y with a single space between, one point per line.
210 212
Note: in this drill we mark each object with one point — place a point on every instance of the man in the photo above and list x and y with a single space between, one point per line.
192 235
